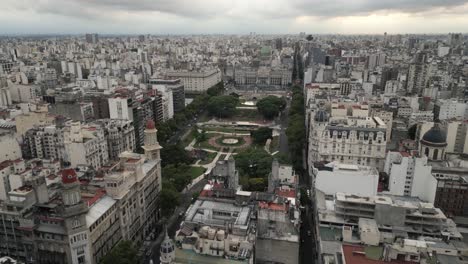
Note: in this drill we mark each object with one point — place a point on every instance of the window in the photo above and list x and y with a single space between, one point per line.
76 223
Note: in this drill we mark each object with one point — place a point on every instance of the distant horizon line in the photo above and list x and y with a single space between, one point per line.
226 34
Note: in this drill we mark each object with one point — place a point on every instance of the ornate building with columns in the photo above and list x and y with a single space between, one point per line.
346 139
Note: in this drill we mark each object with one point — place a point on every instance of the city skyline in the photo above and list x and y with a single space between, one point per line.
239 17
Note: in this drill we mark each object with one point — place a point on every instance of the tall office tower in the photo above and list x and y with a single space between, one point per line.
455 39
375 60
417 74
387 75
279 44
92 38
412 42
174 86
126 107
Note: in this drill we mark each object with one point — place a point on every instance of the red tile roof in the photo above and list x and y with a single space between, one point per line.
355 255
286 193
5 164
405 154
272 206
99 193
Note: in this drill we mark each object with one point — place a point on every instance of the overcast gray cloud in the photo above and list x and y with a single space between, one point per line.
210 8
362 7
231 16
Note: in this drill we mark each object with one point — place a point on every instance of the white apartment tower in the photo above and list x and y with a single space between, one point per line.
410 176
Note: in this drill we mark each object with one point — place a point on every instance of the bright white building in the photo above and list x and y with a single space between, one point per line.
85 145
118 108
197 81
452 109
9 147
410 176
5 97
443 51
167 100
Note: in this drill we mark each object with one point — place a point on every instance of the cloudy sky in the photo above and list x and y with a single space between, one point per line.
233 16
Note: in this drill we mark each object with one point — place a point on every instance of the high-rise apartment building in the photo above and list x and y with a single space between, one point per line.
92 38
176 87
417 74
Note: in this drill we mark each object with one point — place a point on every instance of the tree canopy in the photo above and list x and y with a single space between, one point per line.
169 198
175 178
222 106
296 132
261 135
254 164
216 90
123 253
271 106
174 154
178 174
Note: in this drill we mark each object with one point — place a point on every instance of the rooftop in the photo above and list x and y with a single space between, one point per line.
189 256
217 213
272 206
364 255
98 209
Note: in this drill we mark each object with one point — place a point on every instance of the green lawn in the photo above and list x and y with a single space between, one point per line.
196 171
205 144
209 158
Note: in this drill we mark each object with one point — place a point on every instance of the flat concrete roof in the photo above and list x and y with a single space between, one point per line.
189 256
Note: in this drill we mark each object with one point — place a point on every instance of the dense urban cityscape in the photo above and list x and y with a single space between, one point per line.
234 148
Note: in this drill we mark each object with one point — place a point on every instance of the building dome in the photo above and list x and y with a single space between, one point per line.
167 246
434 137
69 176
321 116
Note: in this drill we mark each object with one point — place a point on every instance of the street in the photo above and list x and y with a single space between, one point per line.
173 223
307 246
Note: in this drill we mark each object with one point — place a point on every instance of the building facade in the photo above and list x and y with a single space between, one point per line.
197 81
348 140
178 92
263 76
136 184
